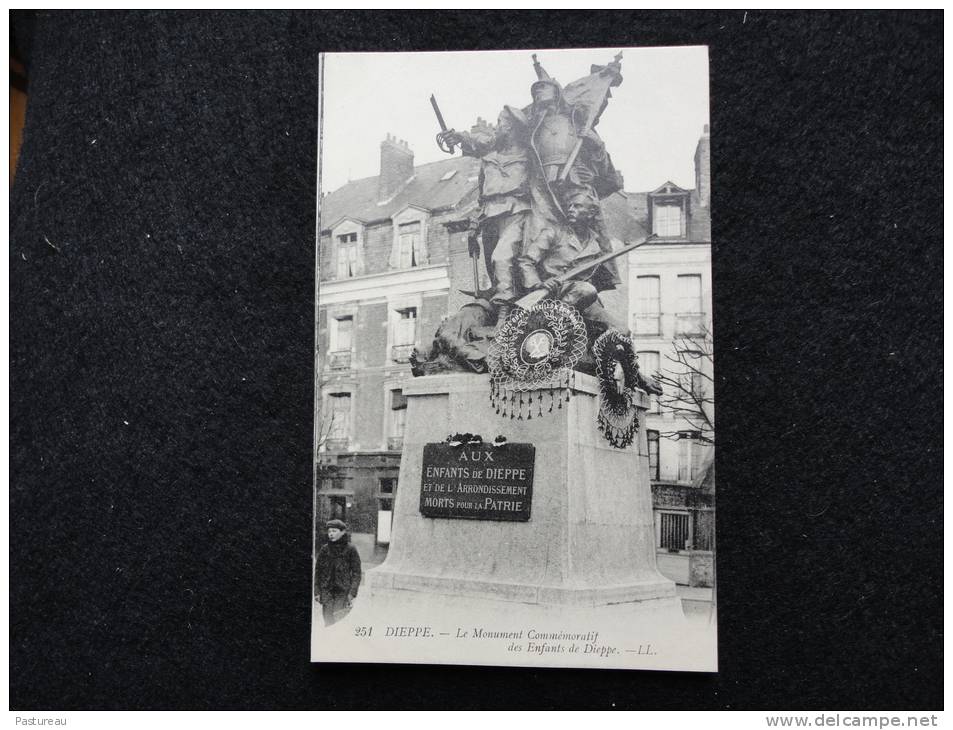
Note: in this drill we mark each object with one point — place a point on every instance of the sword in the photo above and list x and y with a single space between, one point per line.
442 142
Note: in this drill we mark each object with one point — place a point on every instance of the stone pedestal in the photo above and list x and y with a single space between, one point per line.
574 586
590 540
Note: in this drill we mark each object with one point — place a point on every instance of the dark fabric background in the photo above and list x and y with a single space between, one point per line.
161 308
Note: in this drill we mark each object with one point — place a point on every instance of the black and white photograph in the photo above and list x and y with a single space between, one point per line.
364 359
514 429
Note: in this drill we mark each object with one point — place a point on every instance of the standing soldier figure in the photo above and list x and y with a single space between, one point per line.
570 156
504 199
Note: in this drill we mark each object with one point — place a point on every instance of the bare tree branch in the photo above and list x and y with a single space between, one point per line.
683 381
327 428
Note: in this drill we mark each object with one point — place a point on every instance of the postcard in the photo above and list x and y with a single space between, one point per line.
514 407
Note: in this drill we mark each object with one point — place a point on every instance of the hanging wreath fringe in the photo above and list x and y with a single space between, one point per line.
618 416
535 350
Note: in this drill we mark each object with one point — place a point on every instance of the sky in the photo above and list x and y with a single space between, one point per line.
650 127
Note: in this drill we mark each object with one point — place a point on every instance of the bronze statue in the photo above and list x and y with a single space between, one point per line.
554 249
543 172
505 200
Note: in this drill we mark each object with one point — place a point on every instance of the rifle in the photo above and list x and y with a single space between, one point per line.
537 295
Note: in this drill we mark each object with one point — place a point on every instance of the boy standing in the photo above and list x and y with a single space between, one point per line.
338 573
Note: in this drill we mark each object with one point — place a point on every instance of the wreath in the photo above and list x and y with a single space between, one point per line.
617 368
535 350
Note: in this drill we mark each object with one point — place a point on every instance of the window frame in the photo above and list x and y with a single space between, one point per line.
403 341
332 398
658 453
670 222
396 419
683 516
689 309
347 243
654 405
693 448
646 315
411 258
339 357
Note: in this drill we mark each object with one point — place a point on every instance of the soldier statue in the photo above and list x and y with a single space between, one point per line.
505 202
552 249
543 171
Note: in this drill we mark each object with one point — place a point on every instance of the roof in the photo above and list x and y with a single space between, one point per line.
622 218
626 213
426 189
669 188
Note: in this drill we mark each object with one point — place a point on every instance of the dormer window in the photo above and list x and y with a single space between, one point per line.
669 211
347 255
408 239
668 221
409 247
347 249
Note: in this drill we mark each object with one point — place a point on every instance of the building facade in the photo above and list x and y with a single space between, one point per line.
385 263
670 319
392 261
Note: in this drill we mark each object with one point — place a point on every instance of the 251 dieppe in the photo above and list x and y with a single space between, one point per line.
397 632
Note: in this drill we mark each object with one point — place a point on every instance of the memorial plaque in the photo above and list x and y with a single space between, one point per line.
477 482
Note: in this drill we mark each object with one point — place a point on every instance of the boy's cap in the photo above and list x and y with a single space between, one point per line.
338 524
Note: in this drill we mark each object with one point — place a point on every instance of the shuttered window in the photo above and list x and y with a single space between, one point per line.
340 414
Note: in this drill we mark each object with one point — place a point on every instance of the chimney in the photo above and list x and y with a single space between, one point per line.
703 170
397 167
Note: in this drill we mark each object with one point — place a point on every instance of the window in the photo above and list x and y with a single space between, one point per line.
698 385
409 239
649 365
339 427
689 455
692 382
398 417
338 508
339 345
673 531
405 334
385 510
667 220
345 326
409 243
347 255
690 312
653 442
647 307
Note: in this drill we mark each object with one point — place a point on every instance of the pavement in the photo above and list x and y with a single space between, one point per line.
690 593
